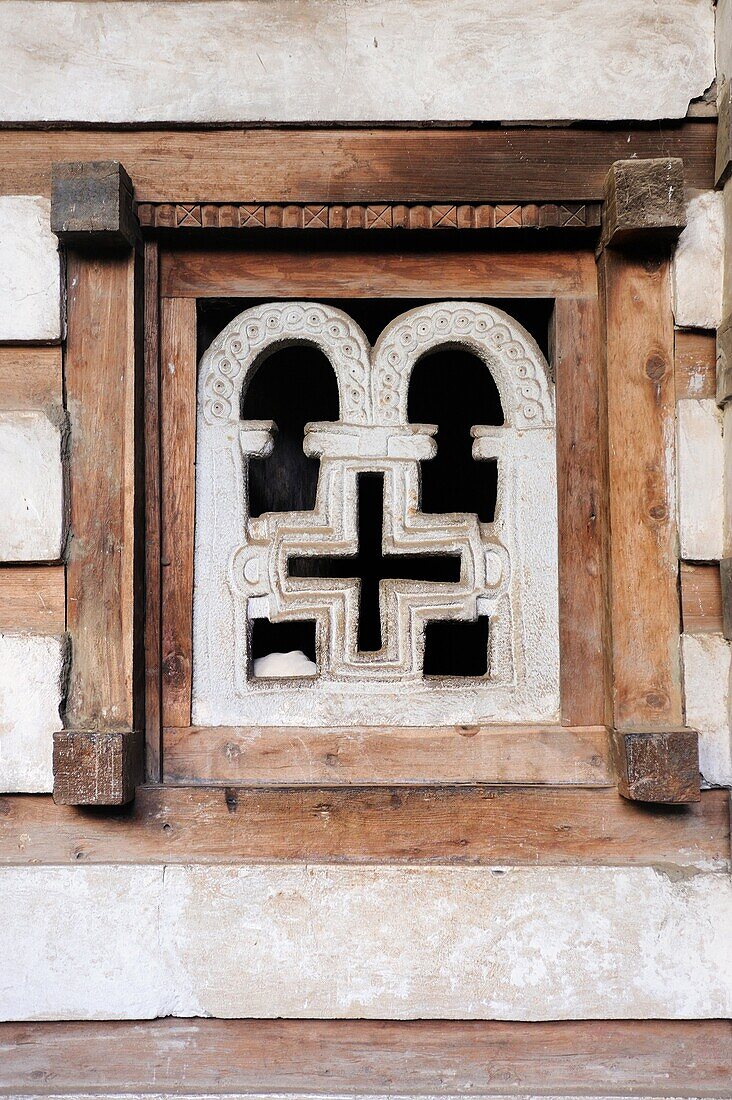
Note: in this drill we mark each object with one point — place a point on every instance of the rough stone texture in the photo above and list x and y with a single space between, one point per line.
508 568
723 40
727 447
309 60
393 942
700 480
707 690
81 943
31 685
31 488
30 286
698 263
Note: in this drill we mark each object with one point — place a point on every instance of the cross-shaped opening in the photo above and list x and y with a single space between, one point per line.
370 565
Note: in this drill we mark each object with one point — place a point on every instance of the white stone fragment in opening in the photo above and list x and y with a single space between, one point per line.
32 669
30 280
294 663
31 487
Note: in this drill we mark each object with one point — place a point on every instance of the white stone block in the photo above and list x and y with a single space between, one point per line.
453 943
31 487
30 279
700 479
311 60
81 943
699 263
723 40
32 672
707 689
126 942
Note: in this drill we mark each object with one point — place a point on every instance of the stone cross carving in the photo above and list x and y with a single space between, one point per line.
248 567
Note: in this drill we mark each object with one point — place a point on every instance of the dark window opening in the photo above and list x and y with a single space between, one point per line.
269 637
454 648
293 386
370 565
455 390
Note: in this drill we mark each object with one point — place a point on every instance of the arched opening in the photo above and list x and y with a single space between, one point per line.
292 386
455 390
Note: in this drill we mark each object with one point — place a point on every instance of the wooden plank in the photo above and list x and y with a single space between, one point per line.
153 645
30 377
403 272
695 364
654 1058
276 756
523 164
644 565
512 826
100 380
581 475
701 598
33 599
177 459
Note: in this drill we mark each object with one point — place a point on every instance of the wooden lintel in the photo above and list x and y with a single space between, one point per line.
644 201
658 767
96 767
92 204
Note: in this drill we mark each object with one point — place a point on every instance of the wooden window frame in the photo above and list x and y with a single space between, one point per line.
619 614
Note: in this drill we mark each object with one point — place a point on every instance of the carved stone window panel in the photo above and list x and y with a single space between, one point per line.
301 565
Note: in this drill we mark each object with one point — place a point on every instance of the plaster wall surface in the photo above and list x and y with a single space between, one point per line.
31 683
31 487
700 479
312 60
30 292
392 941
699 263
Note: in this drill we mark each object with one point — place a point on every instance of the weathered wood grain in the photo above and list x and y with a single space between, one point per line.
644 565
530 164
515 826
269 756
91 201
701 598
695 364
33 599
30 377
100 379
582 492
652 1058
96 767
153 641
177 460
409 271
659 766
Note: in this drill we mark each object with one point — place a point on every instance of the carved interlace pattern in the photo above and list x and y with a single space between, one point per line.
281 324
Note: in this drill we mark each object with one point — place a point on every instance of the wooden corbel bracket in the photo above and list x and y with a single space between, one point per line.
658 767
644 202
98 755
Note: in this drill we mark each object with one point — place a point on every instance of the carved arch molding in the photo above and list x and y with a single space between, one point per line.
507 570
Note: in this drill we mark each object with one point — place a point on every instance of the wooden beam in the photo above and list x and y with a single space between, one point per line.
273 756
644 200
153 580
370 1058
701 598
725 577
582 491
97 757
30 377
503 164
33 599
178 362
695 356
349 272
512 826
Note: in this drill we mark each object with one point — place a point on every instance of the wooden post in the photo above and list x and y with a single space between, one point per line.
655 756
98 756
